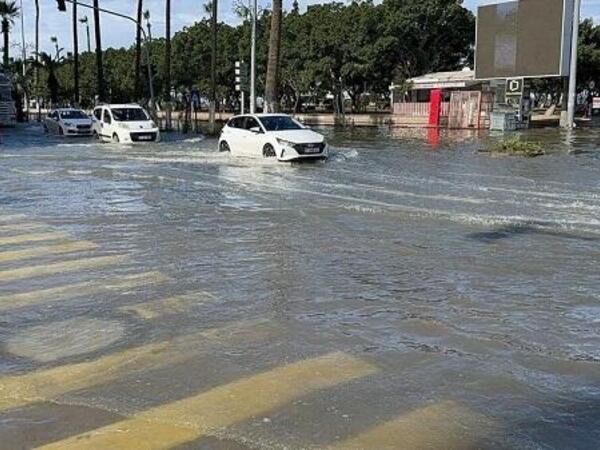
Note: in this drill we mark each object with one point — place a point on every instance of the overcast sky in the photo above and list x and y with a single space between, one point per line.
117 33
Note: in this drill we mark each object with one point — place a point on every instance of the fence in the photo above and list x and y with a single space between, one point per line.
420 109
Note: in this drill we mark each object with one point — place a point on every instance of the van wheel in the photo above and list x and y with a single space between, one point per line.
116 139
269 151
224 147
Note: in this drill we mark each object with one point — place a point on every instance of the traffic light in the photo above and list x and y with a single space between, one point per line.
61 5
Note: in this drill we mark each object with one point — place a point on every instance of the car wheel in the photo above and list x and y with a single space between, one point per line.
115 138
224 147
269 151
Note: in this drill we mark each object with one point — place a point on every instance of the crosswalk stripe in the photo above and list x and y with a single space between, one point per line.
66 292
446 425
182 421
33 237
48 250
11 217
179 422
60 267
166 306
48 384
22 226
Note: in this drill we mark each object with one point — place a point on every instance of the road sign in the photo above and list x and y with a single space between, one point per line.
514 87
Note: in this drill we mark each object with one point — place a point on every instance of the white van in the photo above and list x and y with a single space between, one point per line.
124 123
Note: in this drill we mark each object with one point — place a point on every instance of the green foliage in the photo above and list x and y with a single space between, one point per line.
358 47
515 146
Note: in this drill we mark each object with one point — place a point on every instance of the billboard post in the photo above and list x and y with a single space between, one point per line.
573 69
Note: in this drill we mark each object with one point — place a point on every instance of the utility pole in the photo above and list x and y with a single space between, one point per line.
24 49
253 59
572 102
75 55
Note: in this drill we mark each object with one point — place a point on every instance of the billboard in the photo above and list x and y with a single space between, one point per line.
524 38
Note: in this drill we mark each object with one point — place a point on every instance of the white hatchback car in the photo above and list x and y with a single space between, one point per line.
272 136
69 122
124 123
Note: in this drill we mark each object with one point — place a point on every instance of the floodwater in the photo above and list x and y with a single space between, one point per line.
407 293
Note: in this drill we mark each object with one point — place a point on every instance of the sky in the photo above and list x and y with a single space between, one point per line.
118 32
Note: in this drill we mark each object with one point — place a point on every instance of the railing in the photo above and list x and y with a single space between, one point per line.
420 109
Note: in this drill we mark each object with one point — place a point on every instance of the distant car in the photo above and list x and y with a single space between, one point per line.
68 122
124 123
272 136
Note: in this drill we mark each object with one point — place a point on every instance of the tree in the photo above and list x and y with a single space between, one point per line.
75 55
138 50
99 66
273 65
50 65
8 12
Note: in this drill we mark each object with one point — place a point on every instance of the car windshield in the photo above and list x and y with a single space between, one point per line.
280 123
73 115
129 114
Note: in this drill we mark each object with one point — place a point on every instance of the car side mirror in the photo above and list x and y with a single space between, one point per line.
256 130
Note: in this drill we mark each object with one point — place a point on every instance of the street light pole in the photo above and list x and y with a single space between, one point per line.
253 59
572 103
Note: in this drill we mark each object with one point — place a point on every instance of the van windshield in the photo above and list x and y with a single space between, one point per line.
279 123
73 115
129 114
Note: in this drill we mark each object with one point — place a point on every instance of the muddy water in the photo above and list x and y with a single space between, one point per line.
455 296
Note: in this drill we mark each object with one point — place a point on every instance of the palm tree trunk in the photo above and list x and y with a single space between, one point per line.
36 70
272 83
213 69
75 55
167 86
168 51
5 28
99 65
138 50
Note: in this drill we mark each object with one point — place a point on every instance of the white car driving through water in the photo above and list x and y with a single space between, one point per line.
68 122
125 124
272 136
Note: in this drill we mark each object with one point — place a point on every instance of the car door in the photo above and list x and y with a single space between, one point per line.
251 141
50 122
234 134
97 121
107 125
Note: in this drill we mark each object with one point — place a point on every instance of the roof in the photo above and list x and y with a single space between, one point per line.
440 80
119 105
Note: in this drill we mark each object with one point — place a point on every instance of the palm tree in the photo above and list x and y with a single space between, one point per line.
213 67
272 83
75 55
138 50
36 73
9 12
99 65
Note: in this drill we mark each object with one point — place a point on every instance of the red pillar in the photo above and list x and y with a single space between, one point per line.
435 107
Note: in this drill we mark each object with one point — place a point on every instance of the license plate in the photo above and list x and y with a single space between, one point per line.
145 138
313 149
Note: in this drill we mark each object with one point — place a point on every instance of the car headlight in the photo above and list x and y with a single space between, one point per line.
285 143
153 125
68 124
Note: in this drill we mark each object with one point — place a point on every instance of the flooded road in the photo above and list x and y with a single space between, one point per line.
408 293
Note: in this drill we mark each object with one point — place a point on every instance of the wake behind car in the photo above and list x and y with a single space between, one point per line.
272 136
124 123
68 122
